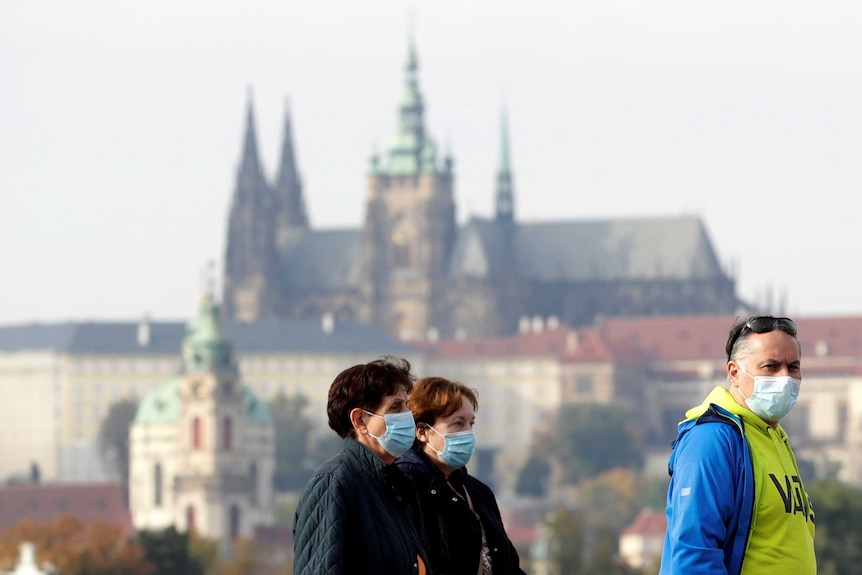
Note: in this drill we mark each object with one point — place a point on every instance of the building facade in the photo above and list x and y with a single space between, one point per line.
58 382
412 269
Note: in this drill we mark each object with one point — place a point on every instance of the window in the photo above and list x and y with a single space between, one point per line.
190 519
226 433
157 485
584 383
196 433
252 472
234 521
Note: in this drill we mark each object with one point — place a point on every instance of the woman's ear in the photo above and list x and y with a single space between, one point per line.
422 432
358 421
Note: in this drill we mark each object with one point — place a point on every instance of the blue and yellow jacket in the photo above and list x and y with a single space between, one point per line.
714 493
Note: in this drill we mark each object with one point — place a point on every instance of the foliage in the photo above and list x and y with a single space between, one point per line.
292 431
297 455
76 548
590 439
534 476
285 510
578 545
613 498
114 436
838 515
170 552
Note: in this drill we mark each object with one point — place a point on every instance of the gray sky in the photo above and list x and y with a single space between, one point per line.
121 127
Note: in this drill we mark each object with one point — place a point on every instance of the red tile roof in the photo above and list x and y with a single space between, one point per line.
648 523
87 502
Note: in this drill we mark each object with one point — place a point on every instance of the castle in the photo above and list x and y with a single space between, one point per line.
413 270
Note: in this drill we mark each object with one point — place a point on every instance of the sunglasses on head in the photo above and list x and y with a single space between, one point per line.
764 324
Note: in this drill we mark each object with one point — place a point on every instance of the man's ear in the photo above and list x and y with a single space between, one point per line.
357 420
733 372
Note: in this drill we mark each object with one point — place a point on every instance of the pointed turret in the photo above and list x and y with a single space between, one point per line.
251 280
250 168
412 151
288 185
505 200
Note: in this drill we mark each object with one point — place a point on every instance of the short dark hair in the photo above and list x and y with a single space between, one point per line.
364 386
743 328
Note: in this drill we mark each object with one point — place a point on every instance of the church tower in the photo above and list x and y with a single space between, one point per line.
251 288
202 446
410 223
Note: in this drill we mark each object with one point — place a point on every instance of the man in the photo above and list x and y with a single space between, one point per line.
736 503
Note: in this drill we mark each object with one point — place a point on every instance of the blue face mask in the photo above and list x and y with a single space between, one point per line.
400 432
773 397
457 447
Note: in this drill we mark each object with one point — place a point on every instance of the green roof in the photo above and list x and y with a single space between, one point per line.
162 405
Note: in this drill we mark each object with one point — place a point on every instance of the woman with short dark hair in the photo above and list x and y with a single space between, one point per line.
458 518
351 517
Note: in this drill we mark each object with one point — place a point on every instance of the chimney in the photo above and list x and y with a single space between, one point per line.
144 331
327 323
572 342
538 324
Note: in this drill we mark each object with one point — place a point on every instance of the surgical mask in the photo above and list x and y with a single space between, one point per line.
400 432
772 397
457 447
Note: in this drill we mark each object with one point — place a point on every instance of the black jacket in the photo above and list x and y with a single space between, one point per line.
449 531
351 518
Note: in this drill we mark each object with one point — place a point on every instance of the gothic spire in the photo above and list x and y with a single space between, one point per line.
288 185
250 161
505 200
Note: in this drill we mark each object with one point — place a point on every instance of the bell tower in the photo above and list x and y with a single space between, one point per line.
410 222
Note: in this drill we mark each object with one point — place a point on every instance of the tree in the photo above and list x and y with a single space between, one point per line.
590 439
296 455
77 548
578 545
114 436
170 552
612 498
838 515
533 477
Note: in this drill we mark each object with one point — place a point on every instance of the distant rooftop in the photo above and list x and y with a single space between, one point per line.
127 337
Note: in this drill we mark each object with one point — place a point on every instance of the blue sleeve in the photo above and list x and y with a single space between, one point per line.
319 528
701 500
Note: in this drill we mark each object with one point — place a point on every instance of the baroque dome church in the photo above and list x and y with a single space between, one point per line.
202 445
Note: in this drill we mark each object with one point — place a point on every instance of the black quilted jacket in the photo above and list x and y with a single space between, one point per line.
351 519
449 531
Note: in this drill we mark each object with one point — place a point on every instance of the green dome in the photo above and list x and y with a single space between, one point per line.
206 348
163 405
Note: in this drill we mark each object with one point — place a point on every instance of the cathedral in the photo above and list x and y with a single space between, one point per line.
415 271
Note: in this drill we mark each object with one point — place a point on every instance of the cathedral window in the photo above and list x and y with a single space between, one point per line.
252 472
234 521
196 433
190 519
157 485
227 429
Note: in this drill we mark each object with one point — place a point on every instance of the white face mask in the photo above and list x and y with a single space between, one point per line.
773 396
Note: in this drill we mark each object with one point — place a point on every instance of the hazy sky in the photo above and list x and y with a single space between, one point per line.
121 128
